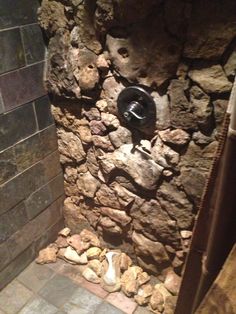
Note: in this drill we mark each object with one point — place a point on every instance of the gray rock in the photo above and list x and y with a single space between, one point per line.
144 171
146 247
181 110
175 202
202 108
230 66
209 34
120 136
211 80
162 111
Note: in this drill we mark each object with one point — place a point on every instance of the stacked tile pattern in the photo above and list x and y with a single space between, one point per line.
31 185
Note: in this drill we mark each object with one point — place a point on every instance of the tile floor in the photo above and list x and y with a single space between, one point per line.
60 288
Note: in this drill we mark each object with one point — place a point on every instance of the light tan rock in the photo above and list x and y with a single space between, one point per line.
48 255
119 216
157 301
172 282
89 237
143 278
143 294
102 105
93 253
129 283
125 262
65 232
186 234
73 256
90 275
110 120
96 266
75 242
161 288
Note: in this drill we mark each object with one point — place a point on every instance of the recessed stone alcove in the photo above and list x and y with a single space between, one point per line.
138 189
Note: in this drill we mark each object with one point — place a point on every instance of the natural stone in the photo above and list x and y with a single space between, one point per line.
125 262
52 16
150 219
92 113
110 226
170 304
72 215
150 66
90 275
97 127
193 182
93 253
102 142
172 282
186 234
111 90
64 232
220 107
211 80
162 111
89 237
203 40
71 255
96 266
48 255
157 301
143 294
102 64
128 280
162 289
101 104
70 146
83 130
120 136
87 184
70 174
61 242
117 215
110 120
143 278
176 137
76 243
163 155
202 139
129 160
146 247
176 204
230 65
180 109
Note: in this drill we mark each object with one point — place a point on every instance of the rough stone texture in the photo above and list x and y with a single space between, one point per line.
211 80
137 188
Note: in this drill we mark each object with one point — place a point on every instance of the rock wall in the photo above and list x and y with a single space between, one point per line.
139 189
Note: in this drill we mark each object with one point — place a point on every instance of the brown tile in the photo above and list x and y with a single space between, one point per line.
5 256
7 165
56 266
13 297
119 300
94 288
73 272
52 166
22 86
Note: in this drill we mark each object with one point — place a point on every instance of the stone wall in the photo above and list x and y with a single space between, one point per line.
31 182
139 189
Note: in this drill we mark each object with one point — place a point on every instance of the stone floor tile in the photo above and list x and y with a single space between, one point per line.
56 266
35 276
94 288
69 308
85 300
14 297
142 310
72 271
119 300
37 306
106 308
58 290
